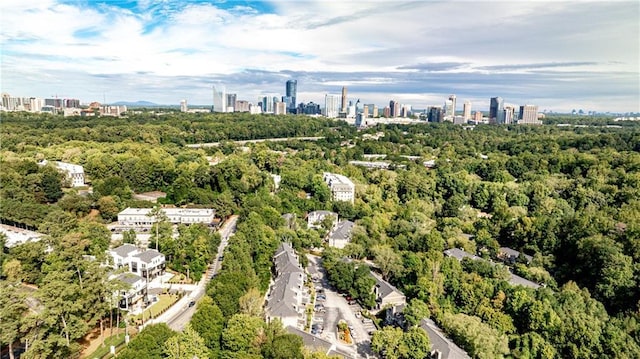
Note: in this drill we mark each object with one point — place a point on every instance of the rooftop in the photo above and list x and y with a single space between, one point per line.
441 343
148 255
342 231
125 249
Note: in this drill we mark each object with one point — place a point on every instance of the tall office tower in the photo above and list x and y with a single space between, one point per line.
219 98
496 110
365 111
386 112
291 93
375 111
267 104
436 114
452 111
344 104
466 110
448 109
231 102
529 115
331 103
183 106
509 112
394 107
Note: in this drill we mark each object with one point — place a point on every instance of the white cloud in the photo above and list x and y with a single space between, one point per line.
388 48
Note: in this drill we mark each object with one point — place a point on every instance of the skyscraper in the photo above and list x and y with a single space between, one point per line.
344 104
219 99
394 107
331 109
231 102
291 92
529 115
183 106
452 110
496 110
466 110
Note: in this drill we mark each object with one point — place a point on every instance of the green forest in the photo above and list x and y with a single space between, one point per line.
568 196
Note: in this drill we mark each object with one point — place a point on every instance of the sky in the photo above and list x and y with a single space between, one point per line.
559 55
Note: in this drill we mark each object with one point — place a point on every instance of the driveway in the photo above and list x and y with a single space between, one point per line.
338 308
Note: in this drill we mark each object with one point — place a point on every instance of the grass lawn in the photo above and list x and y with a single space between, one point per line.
180 279
164 302
101 352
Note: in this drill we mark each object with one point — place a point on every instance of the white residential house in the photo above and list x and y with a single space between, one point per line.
135 289
16 236
315 218
147 263
139 217
342 189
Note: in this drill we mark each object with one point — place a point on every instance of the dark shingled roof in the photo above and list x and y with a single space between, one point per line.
342 231
148 255
129 278
125 249
441 343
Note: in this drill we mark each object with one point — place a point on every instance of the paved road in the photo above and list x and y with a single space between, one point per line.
338 308
180 314
279 139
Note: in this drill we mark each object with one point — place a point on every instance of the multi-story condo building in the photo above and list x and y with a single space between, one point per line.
288 296
342 189
140 217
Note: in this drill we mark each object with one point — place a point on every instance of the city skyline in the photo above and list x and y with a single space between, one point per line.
558 55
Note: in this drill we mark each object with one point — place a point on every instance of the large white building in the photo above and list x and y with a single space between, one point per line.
529 115
139 217
342 189
16 236
147 263
331 105
219 99
75 173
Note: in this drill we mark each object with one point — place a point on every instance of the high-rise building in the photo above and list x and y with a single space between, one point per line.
394 107
331 103
231 102
436 114
529 115
451 111
365 111
344 104
280 108
448 110
241 106
219 98
496 110
466 110
386 112
375 111
291 93
477 116
509 114
183 106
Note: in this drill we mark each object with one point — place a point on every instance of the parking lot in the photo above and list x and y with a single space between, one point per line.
333 307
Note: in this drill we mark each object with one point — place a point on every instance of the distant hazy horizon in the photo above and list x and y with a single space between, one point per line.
558 55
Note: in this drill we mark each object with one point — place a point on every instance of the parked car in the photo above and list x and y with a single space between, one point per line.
192 303
358 315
